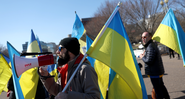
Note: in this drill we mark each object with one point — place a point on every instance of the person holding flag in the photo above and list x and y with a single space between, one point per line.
154 66
85 83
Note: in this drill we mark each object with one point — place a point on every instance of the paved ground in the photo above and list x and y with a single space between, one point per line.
174 78
3 95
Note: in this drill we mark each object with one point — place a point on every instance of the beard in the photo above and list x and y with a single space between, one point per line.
63 60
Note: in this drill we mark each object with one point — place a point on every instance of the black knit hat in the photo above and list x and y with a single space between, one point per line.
71 44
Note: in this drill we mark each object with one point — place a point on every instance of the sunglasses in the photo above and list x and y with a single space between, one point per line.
60 48
144 37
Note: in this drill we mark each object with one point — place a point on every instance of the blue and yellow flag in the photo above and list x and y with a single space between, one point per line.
78 31
171 34
17 87
113 48
26 85
101 69
29 79
37 38
89 41
52 69
5 73
6 58
8 61
78 28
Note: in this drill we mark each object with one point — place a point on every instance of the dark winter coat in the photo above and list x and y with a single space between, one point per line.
152 59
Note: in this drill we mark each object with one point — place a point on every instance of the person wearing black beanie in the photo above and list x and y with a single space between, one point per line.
71 44
85 83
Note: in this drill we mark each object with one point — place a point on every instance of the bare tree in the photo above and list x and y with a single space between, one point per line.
4 50
94 26
180 2
143 13
137 16
179 6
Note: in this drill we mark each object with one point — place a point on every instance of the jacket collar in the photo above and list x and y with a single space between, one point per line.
71 63
150 41
76 60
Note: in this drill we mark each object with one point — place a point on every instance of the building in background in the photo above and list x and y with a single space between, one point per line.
46 47
24 46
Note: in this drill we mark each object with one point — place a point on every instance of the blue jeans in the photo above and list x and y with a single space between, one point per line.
160 89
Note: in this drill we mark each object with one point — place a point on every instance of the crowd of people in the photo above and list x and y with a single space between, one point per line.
84 85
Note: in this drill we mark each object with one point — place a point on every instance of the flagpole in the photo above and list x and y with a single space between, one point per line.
74 73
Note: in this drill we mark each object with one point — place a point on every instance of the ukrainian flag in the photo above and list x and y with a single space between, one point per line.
78 28
5 73
112 47
6 58
37 38
52 69
17 87
29 79
9 64
26 85
78 31
171 34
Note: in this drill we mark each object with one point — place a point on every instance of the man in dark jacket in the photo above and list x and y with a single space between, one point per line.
84 84
154 66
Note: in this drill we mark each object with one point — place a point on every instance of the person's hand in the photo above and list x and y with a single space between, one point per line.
141 55
43 72
61 95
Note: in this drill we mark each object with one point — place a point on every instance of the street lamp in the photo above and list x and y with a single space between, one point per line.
166 1
165 8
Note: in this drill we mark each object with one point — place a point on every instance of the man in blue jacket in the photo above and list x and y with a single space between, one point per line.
154 66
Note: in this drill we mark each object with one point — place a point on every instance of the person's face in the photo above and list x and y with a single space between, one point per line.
63 55
145 37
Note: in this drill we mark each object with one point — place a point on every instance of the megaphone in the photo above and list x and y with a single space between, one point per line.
22 64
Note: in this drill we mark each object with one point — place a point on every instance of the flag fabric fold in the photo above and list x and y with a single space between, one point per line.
171 34
89 41
101 70
112 47
5 73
